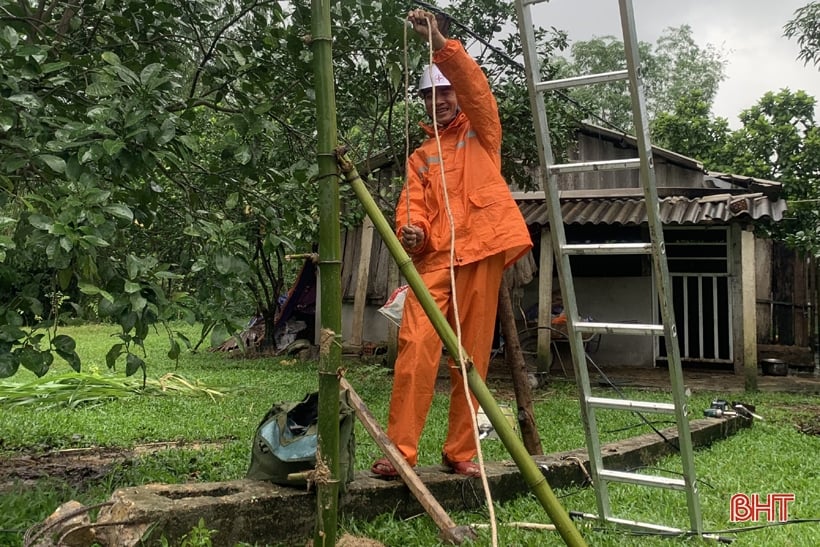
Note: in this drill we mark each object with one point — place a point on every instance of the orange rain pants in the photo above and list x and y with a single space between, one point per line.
419 356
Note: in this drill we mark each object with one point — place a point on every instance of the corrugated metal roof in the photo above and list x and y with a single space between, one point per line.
712 209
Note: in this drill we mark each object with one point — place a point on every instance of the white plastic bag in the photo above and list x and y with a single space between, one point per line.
394 307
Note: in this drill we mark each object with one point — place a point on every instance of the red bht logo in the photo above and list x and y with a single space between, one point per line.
775 507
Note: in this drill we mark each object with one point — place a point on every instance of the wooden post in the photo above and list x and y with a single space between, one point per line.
545 263
521 384
744 307
392 330
362 275
800 301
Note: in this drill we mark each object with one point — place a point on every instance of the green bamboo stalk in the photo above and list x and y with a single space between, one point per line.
529 471
405 263
327 491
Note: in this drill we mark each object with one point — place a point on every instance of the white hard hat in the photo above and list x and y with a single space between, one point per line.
431 76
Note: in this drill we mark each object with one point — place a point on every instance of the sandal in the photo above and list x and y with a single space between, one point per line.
384 469
468 468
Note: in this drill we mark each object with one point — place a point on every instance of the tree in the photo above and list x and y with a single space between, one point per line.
805 26
141 163
692 131
157 157
780 141
670 70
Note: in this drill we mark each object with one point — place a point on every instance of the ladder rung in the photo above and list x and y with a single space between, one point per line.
577 81
623 404
589 166
608 249
618 328
642 480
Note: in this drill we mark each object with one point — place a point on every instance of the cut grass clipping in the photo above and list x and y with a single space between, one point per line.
76 388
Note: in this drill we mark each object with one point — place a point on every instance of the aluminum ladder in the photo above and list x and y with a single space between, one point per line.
577 328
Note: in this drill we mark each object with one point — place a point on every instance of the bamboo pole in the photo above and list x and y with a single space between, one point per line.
529 471
330 357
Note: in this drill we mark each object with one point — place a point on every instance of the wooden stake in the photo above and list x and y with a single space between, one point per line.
449 531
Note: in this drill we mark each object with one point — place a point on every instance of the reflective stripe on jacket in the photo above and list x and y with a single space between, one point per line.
486 219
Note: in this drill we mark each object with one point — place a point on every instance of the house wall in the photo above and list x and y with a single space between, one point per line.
591 148
377 290
763 283
609 299
375 324
613 300
623 300
631 302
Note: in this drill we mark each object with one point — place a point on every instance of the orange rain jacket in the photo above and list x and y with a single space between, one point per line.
486 219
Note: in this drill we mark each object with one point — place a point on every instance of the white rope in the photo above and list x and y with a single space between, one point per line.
406 125
461 358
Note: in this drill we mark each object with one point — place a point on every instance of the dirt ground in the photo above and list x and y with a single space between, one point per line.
76 466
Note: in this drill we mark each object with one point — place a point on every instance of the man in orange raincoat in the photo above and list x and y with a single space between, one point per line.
466 218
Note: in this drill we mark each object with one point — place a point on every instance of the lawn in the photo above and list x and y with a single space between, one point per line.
200 428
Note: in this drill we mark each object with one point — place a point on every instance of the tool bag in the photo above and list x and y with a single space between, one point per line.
288 436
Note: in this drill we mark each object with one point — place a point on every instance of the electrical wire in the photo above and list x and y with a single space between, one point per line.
620 393
714 534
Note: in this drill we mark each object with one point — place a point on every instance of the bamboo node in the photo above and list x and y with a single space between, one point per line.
341 158
321 473
327 339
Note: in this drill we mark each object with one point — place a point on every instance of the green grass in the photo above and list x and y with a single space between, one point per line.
771 457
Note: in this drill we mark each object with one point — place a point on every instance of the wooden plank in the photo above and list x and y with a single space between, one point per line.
362 274
449 530
393 278
801 299
348 256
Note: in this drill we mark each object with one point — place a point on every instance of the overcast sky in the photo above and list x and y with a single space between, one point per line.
750 32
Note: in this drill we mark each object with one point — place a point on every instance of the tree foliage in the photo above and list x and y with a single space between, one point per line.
141 159
157 157
671 69
691 130
780 140
805 27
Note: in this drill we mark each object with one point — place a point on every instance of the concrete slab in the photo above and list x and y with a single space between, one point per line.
263 513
